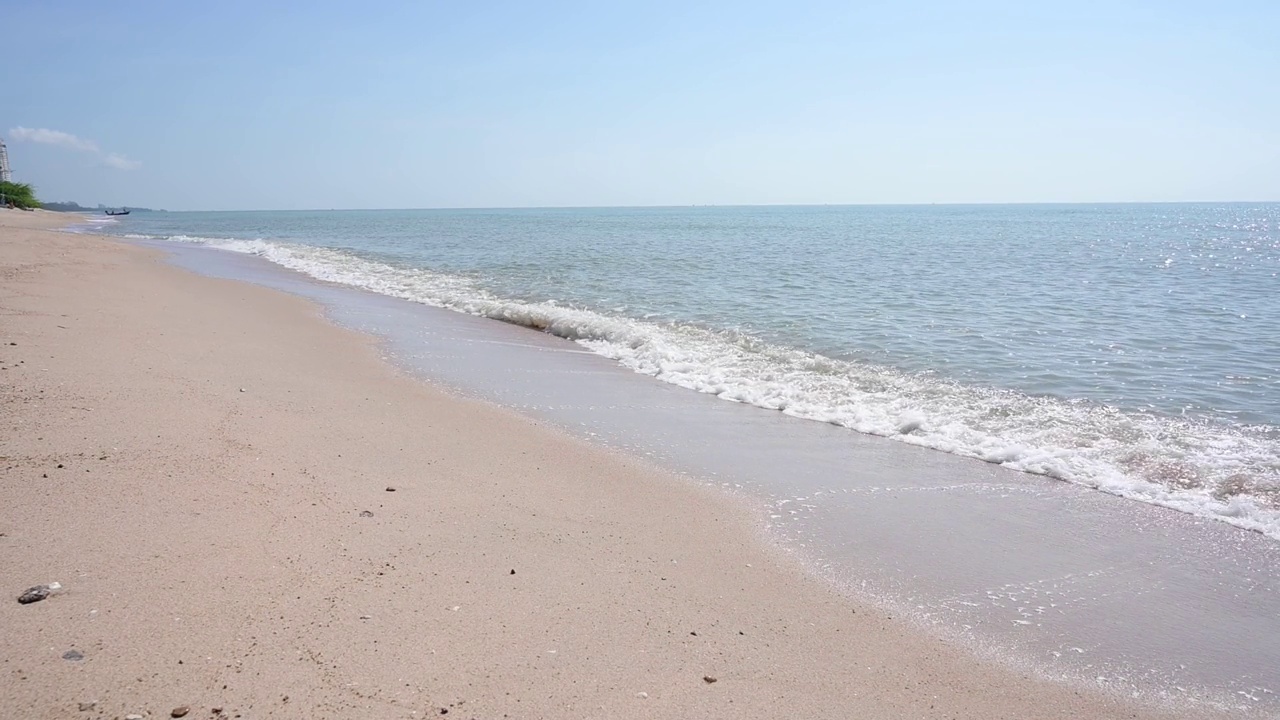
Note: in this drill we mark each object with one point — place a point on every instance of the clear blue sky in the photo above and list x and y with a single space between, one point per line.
233 105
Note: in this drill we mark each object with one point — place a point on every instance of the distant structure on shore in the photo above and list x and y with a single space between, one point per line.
6 175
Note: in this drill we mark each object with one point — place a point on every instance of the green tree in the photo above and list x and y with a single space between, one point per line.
18 194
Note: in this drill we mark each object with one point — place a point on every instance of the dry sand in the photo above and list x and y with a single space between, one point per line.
192 458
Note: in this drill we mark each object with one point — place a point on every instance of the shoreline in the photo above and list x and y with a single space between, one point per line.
1066 437
1048 578
230 439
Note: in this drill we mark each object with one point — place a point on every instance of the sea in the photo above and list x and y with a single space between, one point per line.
1133 349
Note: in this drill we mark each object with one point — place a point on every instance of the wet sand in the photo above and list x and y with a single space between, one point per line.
1055 579
249 509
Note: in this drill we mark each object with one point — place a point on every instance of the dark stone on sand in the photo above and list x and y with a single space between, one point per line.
87 706
34 594
708 679
390 489
179 711
73 655
513 572
366 513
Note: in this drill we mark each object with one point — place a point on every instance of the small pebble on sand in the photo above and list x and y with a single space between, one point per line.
34 594
179 711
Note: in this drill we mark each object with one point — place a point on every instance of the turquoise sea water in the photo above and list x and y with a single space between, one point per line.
1131 348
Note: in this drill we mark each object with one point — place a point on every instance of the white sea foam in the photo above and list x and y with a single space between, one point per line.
90 223
1229 474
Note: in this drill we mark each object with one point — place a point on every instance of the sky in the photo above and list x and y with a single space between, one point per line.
251 105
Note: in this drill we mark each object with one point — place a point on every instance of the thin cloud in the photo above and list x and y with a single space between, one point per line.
120 162
57 138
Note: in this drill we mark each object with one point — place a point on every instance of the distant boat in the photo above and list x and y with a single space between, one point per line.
121 211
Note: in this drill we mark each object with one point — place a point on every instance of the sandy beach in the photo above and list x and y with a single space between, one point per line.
252 514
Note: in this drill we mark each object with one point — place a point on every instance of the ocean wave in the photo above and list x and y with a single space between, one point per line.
1208 469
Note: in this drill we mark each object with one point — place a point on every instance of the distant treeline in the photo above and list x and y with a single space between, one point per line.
71 206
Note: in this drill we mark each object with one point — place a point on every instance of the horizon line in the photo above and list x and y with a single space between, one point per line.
714 205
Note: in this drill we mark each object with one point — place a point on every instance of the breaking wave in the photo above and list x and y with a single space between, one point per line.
1229 473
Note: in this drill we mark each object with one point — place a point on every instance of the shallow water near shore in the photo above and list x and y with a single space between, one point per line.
1051 577
1126 348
